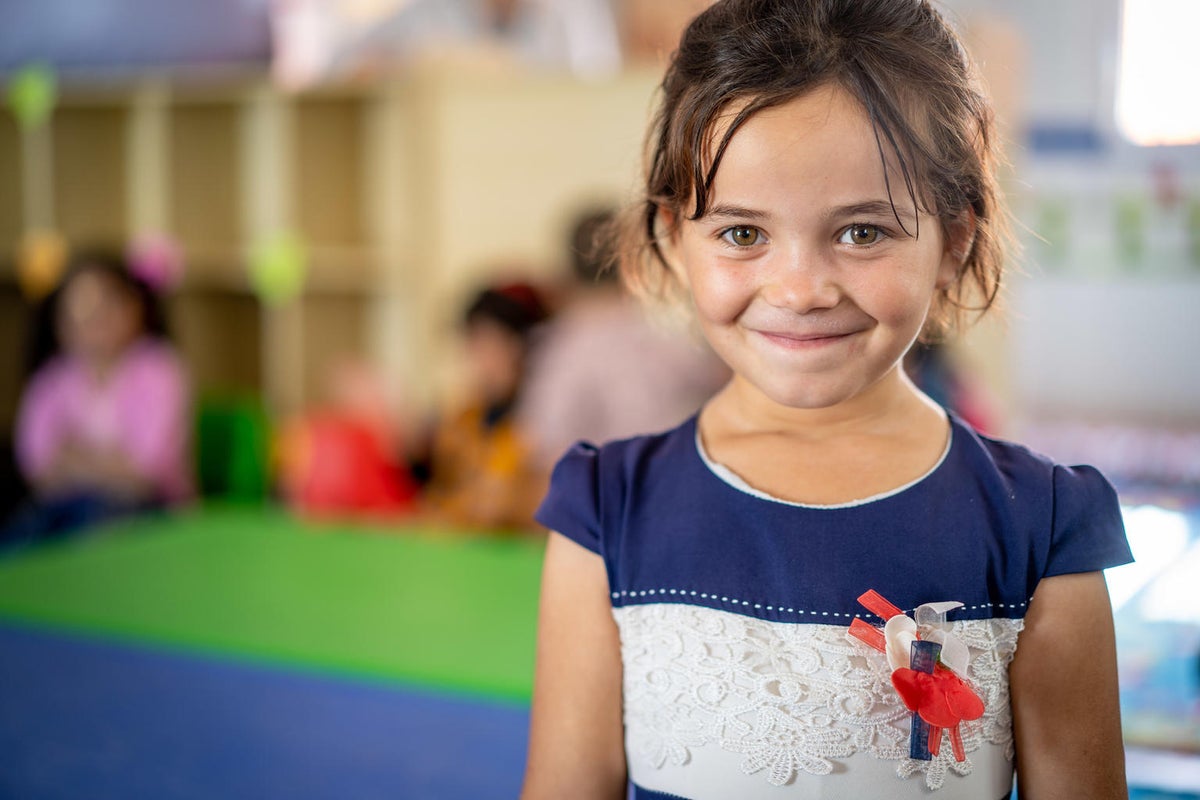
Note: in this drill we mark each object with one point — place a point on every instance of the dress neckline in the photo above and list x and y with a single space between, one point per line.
736 482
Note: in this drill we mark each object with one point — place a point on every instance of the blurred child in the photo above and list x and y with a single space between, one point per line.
103 428
342 459
601 369
480 471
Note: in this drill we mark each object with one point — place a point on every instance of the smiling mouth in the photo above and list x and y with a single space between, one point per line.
805 341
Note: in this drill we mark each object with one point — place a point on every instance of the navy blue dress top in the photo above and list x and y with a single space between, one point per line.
739 678
990 521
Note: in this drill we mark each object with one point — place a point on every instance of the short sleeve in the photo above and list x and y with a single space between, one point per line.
1088 533
572 504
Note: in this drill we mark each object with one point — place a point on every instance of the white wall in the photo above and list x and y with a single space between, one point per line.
1104 320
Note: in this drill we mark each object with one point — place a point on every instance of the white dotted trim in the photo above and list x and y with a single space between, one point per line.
781 609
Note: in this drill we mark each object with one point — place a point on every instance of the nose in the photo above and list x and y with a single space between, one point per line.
801 280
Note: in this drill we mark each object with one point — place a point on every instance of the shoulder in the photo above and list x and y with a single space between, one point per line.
54 374
51 392
59 383
154 360
1009 460
1072 512
627 459
591 484
155 353
1022 468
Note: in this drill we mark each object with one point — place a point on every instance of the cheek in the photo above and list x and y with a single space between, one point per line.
719 294
897 296
907 306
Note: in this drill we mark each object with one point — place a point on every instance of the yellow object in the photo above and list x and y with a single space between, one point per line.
483 475
41 258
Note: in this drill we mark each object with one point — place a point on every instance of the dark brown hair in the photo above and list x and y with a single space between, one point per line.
898 58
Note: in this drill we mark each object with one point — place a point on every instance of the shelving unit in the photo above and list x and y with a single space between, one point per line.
408 193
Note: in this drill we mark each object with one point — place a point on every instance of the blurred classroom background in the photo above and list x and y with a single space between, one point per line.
332 194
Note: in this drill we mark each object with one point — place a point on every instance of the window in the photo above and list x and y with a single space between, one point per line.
1160 60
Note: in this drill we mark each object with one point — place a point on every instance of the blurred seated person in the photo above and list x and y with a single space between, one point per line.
103 428
602 370
480 472
342 459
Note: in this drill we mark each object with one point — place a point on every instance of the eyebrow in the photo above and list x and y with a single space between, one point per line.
735 212
871 208
866 208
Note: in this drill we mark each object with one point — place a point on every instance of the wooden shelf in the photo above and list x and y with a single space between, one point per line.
14 319
329 170
219 333
407 193
90 168
11 213
204 176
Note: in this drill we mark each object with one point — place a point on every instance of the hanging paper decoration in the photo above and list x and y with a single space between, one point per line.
277 268
31 94
41 259
157 259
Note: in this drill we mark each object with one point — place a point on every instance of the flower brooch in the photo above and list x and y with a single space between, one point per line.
927 664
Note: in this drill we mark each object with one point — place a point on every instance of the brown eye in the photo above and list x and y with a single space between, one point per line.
742 236
860 234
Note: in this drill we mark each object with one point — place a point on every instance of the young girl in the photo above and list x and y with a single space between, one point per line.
104 423
821 188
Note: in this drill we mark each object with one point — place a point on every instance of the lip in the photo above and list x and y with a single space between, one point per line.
805 341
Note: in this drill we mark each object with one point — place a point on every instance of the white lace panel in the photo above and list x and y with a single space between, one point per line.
791 699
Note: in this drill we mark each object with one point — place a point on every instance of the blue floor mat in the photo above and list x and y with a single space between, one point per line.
85 718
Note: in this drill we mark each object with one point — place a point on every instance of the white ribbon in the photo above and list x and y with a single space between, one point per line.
930 623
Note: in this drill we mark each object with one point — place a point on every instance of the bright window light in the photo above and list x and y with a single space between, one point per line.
1157 537
1173 597
1159 63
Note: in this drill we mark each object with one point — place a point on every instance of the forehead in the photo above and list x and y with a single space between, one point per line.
821 142
92 288
817 150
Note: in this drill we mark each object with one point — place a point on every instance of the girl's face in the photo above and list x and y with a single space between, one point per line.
801 277
97 317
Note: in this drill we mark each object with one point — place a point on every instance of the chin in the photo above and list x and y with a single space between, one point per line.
810 398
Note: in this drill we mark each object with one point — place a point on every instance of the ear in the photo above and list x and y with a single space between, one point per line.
960 238
667 229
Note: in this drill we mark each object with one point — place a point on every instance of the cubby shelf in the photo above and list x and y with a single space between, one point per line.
407 192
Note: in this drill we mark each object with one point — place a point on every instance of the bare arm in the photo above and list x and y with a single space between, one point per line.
1066 716
576 744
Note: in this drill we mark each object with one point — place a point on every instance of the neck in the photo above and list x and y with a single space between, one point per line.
891 403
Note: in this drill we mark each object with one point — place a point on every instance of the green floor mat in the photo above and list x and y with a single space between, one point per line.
447 612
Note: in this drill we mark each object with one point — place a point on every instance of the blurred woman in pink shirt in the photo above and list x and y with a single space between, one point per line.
104 425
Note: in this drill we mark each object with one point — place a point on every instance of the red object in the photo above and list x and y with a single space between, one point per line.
868 635
941 698
337 465
874 602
